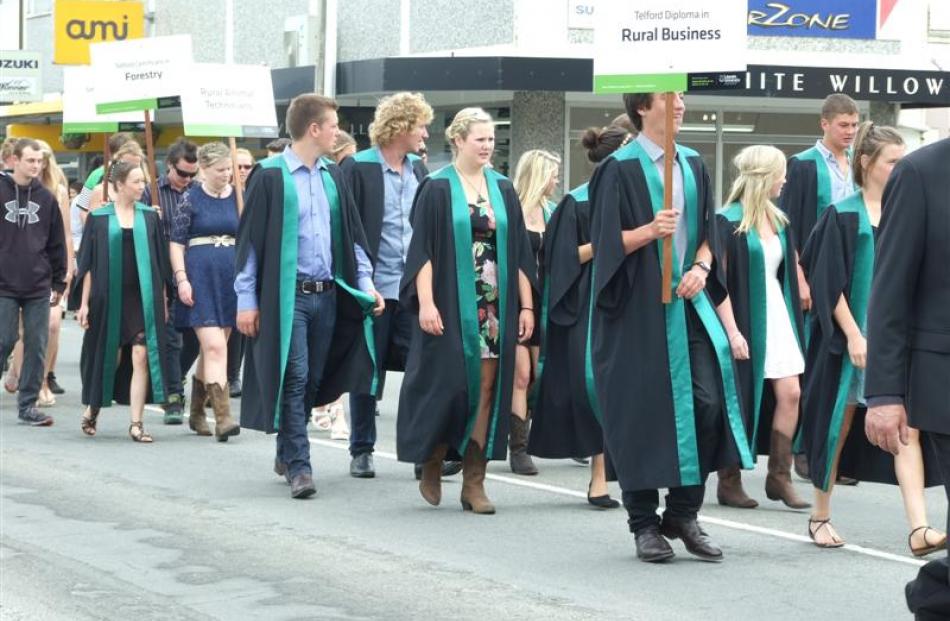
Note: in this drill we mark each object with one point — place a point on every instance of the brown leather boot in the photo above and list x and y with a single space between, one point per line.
224 425
474 465
778 483
518 458
430 485
730 493
196 414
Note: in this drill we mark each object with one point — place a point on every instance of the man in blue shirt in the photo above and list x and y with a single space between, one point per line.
304 287
383 180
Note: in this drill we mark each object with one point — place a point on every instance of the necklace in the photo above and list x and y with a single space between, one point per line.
212 192
479 200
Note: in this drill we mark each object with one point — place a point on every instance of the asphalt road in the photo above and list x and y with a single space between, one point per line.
102 528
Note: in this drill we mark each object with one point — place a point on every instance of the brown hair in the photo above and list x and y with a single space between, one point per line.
870 141
121 171
304 110
25 143
7 149
623 120
599 142
398 114
836 104
632 102
343 140
118 140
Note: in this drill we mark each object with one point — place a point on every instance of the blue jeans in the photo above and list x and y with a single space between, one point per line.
314 322
172 353
35 335
391 332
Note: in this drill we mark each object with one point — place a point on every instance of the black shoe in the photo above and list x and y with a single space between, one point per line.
54 386
602 502
652 547
234 388
174 410
695 539
449 468
301 486
280 469
581 460
842 480
361 466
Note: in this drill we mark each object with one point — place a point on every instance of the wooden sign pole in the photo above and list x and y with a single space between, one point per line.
238 184
106 156
668 154
150 155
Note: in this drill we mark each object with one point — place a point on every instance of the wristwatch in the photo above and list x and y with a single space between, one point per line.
703 266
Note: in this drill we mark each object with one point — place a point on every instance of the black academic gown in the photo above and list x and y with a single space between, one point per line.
364 177
839 259
741 254
268 226
104 379
439 396
564 423
806 193
640 350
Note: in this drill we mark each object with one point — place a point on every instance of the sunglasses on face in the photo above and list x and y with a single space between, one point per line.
184 174
245 166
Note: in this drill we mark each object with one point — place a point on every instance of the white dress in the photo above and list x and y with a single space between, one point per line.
783 358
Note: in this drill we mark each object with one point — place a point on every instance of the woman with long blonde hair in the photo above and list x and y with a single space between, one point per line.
762 313
536 179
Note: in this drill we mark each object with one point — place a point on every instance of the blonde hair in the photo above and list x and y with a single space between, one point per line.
343 141
462 124
398 114
532 176
211 153
243 151
871 140
53 178
760 167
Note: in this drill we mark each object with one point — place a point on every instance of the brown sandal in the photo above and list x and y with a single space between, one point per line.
88 424
836 541
141 436
928 547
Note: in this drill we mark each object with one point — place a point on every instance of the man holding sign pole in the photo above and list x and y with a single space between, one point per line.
305 289
672 361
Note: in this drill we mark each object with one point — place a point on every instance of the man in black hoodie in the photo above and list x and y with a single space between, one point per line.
33 256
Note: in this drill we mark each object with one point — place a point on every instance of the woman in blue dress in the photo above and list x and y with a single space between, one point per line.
202 257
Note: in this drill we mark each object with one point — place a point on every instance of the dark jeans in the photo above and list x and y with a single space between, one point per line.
685 502
235 355
314 321
35 335
172 354
391 331
190 350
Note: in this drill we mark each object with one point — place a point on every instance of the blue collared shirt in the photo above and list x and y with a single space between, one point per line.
842 182
656 154
399 188
314 238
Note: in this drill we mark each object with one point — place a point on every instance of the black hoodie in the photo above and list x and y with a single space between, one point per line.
32 241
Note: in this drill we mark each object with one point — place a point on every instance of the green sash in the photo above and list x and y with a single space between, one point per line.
287 287
858 297
114 304
758 320
824 177
465 277
372 155
676 330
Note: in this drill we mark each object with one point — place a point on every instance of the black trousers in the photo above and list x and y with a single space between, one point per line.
928 596
685 502
235 355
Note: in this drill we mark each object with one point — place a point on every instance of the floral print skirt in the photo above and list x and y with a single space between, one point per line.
486 293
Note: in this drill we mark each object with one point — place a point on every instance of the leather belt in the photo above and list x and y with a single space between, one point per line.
314 286
212 240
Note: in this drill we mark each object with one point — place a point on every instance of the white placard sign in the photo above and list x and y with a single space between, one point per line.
580 15
79 105
229 100
140 74
651 46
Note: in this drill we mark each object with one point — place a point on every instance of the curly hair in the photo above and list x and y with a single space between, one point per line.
398 114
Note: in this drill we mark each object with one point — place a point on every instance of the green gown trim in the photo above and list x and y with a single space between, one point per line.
858 297
465 283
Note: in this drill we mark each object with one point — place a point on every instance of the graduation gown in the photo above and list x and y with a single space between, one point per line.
104 379
839 259
564 420
269 227
364 177
745 282
438 402
806 193
640 349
